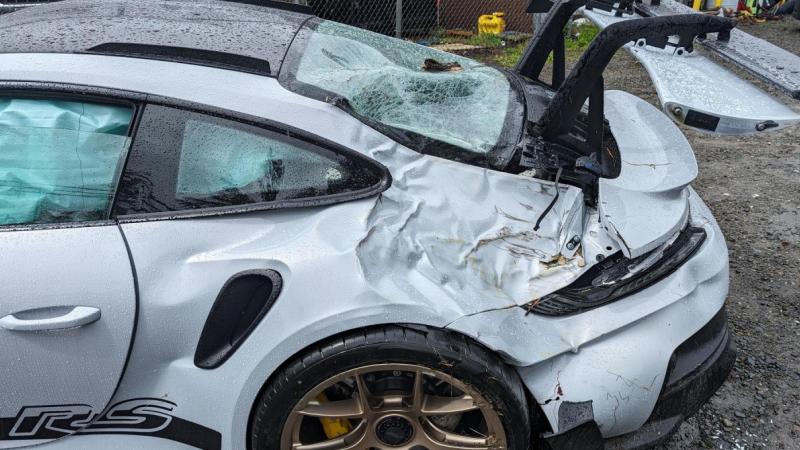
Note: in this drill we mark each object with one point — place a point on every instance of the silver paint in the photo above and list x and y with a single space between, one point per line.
58 268
691 81
763 59
447 245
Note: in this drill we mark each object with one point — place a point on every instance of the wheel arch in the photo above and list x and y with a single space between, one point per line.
536 416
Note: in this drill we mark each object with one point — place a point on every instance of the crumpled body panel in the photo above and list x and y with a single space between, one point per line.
466 232
647 203
586 358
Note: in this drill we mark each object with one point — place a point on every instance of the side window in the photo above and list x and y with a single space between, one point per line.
60 161
184 161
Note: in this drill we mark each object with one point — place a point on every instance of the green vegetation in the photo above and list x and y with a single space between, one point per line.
577 42
485 40
511 55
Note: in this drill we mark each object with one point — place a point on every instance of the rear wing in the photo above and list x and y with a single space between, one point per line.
772 64
693 90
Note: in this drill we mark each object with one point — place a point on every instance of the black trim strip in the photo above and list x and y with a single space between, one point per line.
136 300
585 294
147 417
185 55
285 5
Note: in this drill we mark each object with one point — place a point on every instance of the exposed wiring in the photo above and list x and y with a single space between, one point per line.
552 203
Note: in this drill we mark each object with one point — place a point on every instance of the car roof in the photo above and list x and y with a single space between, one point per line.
223 34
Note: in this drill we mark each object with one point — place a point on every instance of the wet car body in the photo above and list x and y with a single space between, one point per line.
456 241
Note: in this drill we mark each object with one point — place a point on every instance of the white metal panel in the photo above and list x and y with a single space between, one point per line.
85 266
647 204
691 82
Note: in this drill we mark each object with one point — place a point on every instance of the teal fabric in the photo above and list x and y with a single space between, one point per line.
216 159
59 160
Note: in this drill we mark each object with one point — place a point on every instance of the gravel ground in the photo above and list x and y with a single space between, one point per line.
753 186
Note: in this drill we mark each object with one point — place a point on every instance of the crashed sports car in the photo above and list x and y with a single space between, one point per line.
232 226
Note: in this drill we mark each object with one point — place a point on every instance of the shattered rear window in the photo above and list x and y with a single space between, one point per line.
405 86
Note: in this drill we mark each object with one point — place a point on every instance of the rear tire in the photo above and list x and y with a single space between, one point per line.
441 360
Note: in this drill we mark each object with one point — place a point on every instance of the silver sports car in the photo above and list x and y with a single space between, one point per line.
233 226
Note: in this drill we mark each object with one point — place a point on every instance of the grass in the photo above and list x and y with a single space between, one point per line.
576 43
485 40
511 55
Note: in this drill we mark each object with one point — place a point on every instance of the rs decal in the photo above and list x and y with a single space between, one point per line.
142 416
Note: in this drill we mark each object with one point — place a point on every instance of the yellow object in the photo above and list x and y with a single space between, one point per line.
333 427
697 5
492 23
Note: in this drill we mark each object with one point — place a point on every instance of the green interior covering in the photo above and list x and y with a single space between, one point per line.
217 159
59 160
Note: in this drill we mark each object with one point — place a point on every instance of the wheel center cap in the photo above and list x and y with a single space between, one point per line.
394 431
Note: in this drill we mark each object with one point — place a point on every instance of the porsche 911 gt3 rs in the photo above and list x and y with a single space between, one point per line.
229 226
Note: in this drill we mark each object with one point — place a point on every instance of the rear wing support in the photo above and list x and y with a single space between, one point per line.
586 77
548 38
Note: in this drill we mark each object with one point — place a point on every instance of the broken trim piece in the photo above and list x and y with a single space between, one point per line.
618 277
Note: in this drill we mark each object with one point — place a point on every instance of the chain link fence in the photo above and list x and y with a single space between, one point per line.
423 19
449 24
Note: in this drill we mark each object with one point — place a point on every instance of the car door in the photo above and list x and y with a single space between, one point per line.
68 303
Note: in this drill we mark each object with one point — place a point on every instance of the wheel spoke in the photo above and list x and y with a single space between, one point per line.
351 441
418 393
438 439
367 418
363 393
441 406
340 409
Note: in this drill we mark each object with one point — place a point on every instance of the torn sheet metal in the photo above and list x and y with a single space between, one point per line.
471 237
647 203
583 357
701 94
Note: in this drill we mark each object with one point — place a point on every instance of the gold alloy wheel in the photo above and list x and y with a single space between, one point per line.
426 414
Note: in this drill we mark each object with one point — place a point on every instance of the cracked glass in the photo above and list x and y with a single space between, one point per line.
409 87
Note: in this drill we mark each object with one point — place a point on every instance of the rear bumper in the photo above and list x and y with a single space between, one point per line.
606 368
697 368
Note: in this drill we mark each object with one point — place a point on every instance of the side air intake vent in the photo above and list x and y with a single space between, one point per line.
243 302
194 56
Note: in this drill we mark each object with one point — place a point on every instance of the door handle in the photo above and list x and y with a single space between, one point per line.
49 319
